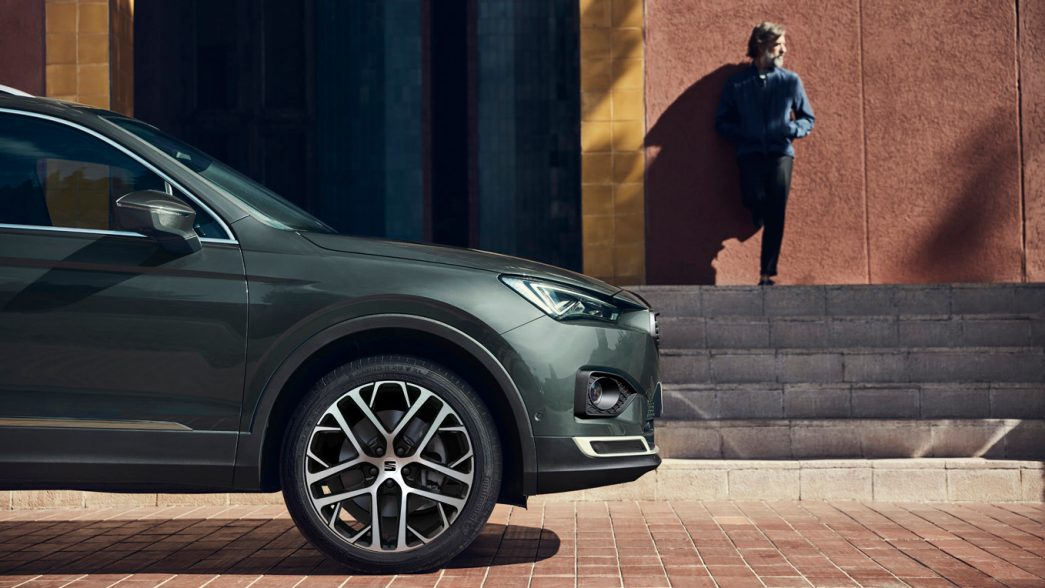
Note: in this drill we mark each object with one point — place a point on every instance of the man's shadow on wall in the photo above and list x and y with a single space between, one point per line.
692 187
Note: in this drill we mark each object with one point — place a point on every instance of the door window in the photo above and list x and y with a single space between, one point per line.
52 175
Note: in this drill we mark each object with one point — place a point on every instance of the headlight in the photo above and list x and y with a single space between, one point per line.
561 302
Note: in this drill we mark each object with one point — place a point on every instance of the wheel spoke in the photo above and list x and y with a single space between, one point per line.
333 517
401 541
462 460
336 498
369 414
335 412
313 477
459 476
444 412
375 520
425 395
457 503
421 537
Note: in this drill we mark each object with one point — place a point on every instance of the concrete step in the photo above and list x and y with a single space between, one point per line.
851 438
851 300
854 365
902 400
903 480
814 332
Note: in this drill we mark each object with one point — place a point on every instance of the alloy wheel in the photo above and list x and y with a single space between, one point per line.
389 466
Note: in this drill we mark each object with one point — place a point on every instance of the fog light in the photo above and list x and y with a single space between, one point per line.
604 393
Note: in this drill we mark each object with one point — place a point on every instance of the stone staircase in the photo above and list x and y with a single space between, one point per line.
812 372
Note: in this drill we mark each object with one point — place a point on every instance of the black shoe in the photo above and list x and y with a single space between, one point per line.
766 281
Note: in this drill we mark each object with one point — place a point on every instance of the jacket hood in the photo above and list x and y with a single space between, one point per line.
457 256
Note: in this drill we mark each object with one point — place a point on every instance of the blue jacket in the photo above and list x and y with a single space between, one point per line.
755 114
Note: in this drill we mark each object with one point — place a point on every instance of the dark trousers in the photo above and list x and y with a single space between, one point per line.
764 183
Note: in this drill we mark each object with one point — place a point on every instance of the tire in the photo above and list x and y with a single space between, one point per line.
373 431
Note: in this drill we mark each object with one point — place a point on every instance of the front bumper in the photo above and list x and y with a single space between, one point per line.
564 464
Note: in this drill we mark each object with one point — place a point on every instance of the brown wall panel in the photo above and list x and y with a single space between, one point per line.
22 45
943 158
1032 82
697 230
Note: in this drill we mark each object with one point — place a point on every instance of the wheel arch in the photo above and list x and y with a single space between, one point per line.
258 457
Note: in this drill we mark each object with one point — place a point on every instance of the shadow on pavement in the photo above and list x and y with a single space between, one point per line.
216 546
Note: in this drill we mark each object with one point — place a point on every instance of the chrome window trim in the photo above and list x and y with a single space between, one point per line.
584 444
136 157
102 232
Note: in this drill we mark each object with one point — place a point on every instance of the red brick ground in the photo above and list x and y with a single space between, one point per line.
583 544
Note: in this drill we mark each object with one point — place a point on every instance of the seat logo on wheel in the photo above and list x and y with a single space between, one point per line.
390 466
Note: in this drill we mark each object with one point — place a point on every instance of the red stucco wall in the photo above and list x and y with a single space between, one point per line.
912 173
22 45
1032 82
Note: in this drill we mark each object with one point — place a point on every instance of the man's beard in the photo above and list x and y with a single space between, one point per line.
771 61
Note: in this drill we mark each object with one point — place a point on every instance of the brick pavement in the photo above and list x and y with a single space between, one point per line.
551 545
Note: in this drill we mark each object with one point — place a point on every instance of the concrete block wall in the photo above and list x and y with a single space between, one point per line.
852 371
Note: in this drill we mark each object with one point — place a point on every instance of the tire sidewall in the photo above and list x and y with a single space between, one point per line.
450 389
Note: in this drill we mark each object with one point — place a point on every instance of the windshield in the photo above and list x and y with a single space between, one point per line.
271 207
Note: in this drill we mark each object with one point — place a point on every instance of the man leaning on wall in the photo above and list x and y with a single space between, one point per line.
763 109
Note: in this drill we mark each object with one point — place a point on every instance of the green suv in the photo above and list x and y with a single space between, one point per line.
168 325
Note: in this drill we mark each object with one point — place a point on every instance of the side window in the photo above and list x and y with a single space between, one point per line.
53 175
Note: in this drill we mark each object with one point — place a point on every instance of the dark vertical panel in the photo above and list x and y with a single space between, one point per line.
368 84
449 123
529 129
22 45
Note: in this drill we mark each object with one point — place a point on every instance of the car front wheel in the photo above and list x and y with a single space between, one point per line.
391 464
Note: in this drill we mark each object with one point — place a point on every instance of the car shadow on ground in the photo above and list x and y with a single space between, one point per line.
217 546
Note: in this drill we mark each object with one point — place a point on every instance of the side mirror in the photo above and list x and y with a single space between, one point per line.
161 216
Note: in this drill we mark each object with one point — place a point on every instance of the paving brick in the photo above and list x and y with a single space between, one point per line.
798 333
796 301
949 401
984 485
884 401
910 485
737 334
798 366
764 484
836 484
816 401
732 301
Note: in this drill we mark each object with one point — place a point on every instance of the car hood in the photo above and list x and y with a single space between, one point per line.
470 258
